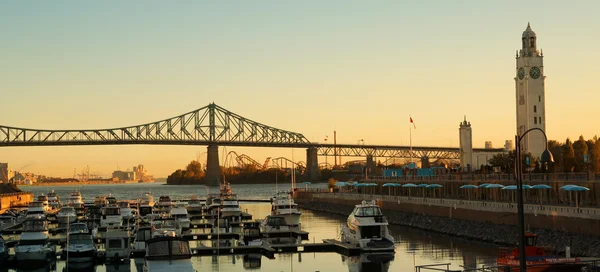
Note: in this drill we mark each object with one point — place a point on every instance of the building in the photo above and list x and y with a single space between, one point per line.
24 178
530 94
5 173
488 145
123 175
466 145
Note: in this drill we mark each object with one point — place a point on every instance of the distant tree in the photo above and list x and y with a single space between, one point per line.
505 161
595 153
193 170
568 156
556 149
580 149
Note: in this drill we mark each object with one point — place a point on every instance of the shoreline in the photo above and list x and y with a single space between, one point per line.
80 183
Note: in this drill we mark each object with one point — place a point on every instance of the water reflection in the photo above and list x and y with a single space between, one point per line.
80 267
372 262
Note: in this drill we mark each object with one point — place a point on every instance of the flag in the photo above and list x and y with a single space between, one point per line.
411 120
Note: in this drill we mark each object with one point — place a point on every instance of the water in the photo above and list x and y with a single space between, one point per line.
414 247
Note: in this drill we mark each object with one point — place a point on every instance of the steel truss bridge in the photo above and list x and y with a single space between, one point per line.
215 126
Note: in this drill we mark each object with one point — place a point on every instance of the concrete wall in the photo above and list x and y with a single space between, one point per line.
15 199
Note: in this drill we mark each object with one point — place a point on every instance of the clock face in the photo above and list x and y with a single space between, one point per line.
534 72
521 73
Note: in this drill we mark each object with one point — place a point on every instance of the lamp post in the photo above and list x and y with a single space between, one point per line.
546 157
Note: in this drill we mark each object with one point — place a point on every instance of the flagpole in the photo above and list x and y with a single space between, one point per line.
410 138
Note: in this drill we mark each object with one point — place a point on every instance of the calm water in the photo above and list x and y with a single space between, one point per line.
414 247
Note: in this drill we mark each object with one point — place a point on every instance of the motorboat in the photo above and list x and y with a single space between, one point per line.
44 199
167 253
111 200
126 211
75 200
66 215
34 245
79 228
367 228
181 214
35 209
111 216
166 224
145 209
117 244
213 204
282 204
251 235
194 205
142 235
54 200
539 259
3 251
275 224
80 248
230 207
100 201
164 204
148 199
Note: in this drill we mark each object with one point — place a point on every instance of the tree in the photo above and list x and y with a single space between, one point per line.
568 156
595 153
580 150
556 149
505 161
193 170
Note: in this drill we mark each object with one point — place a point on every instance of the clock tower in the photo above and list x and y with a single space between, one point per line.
530 94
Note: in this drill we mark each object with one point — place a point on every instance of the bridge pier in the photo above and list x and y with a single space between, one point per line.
312 165
213 169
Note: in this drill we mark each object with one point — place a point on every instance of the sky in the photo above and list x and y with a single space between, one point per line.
357 67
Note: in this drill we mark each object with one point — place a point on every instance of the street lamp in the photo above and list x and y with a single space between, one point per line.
361 140
546 157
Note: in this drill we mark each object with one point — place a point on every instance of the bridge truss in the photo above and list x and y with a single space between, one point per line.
384 151
209 125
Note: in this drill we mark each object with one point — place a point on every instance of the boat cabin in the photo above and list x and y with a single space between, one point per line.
79 228
168 248
111 200
111 211
39 224
117 244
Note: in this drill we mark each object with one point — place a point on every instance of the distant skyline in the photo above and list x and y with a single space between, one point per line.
310 67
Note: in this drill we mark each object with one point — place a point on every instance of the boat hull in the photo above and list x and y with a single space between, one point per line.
291 219
33 253
81 256
168 265
353 237
66 219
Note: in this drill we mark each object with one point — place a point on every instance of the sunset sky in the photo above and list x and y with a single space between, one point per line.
359 67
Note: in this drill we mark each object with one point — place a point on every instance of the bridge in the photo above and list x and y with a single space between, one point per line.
214 126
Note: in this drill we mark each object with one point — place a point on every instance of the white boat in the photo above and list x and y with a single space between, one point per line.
126 211
163 224
54 200
117 244
3 251
164 205
44 199
194 205
277 224
80 247
282 204
36 209
79 228
148 199
75 200
180 213
213 204
142 235
367 228
33 243
230 207
111 217
111 200
251 237
168 253
66 215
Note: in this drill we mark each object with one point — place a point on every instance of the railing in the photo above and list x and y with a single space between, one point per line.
580 176
588 265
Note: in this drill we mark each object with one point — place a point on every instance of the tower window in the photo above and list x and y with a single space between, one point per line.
534 108
535 120
540 120
539 98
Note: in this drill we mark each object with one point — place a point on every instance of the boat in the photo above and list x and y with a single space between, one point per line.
3 251
194 205
251 235
117 244
147 198
168 253
126 211
34 245
181 214
539 259
80 248
66 215
111 200
35 209
100 201
142 235
230 207
213 204
164 204
79 228
166 224
111 216
75 200
274 224
54 200
282 204
367 228
44 199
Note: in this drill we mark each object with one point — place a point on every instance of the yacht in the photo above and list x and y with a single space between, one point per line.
75 200
80 248
166 224
33 243
117 244
168 253
44 199
100 201
53 200
194 205
230 206
3 251
282 204
126 211
148 199
111 200
180 213
142 235
367 228
213 204
66 215
35 209
274 224
79 228
111 217
164 204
